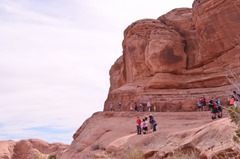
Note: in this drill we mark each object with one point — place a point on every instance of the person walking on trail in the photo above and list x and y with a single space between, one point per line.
140 107
214 111
236 97
111 107
120 106
204 103
139 129
219 108
154 108
153 123
231 101
199 105
135 106
144 126
131 107
210 104
149 106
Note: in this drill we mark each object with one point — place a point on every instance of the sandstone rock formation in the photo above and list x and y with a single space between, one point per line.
113 135
171 61
30 149
175 59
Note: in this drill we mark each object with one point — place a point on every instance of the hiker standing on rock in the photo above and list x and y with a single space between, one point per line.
140 107
214 110
236 97
219 108
231 101
135 106
111 107
204 103
210 104
139 129
144 126
120 106
149 106
153 123
199 105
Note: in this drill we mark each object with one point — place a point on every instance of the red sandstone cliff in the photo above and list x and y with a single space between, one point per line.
175 59
172 61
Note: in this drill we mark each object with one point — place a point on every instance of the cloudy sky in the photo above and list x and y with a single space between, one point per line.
55 57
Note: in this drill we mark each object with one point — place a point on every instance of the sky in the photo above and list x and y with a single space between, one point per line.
55 57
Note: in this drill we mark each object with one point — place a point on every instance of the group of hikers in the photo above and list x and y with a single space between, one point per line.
215 105
142 125
147 124
138 107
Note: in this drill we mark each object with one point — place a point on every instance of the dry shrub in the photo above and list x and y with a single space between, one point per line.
184 153
234 113
43 156
129 153
227 154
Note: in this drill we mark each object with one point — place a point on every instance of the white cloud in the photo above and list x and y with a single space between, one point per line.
55 59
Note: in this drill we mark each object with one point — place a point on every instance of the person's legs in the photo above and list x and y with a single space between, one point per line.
139 130
235 104
154 127
214 112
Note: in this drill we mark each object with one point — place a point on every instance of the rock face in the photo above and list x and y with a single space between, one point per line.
175 59
171 61
30 149
113 135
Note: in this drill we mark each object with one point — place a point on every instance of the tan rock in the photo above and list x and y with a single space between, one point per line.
29 149
111 134
6 149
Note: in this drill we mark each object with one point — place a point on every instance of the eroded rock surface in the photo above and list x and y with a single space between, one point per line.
175 59
30 149
113 134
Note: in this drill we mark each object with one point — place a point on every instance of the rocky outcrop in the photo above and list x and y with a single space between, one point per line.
30 149
113 135
175 59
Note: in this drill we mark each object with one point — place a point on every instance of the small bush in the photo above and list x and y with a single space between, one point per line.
95 147
43 156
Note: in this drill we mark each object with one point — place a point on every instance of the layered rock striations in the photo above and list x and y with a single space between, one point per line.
112 135
172 61
175 59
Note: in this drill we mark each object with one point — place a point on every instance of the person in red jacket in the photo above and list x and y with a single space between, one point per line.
139 129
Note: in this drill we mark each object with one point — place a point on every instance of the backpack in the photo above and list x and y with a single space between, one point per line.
203 99
211 102
214 105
